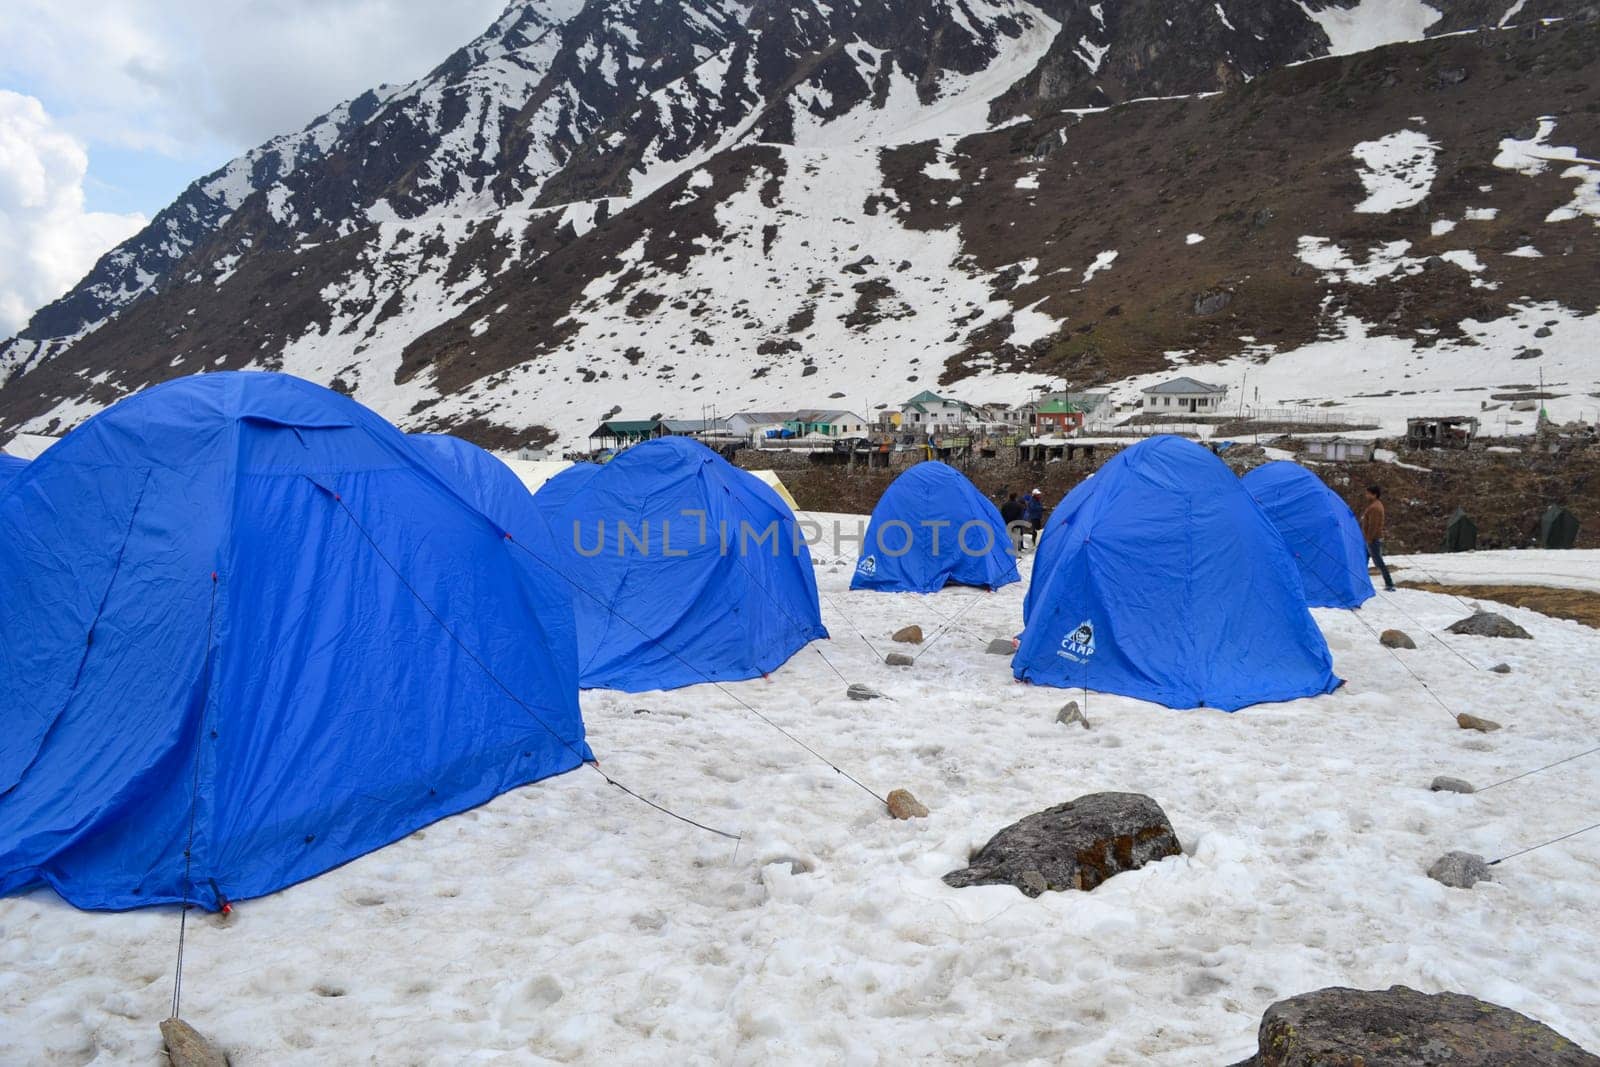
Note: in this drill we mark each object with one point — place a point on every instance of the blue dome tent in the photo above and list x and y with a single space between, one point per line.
10 467
1159 578
933 528
693 570
241 611
1320 530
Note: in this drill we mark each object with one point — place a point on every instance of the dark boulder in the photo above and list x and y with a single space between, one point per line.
1488 624
1076 845
1401 1027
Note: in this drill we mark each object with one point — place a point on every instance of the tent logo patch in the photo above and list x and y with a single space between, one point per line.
1078 646
868 565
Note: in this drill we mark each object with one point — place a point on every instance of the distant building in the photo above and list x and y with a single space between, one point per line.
929 411
620 433
748 423
827 423
700 428
1185 395
1058 415
1450 431
1342 450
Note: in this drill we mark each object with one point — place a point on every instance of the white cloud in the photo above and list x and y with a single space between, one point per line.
173 75
47 240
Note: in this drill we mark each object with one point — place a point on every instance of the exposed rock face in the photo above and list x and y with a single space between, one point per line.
1489 624
1076 845
1401 1027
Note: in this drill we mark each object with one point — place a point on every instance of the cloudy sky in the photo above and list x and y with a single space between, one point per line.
108 108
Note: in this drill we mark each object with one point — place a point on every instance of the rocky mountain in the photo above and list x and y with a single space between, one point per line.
670 205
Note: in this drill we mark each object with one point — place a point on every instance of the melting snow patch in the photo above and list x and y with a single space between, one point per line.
1467 261
1481 214
1442 227
1028 181
1194 239
1383 261
1534 155
1398 170
1526 252
1370 24
1101 262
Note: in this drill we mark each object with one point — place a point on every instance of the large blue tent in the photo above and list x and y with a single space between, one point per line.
1320 530
691 570
1160 578
932 528
242 617
10 467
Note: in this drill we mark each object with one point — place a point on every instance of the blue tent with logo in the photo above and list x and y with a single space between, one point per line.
1320 530
242 617
1159 578
691 569
932 528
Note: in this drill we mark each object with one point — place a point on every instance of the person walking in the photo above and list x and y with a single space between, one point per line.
1011 515
1033 514
1372 523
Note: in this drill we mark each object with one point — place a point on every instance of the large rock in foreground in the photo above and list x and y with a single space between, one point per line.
1488 624
1401 1027
1076 845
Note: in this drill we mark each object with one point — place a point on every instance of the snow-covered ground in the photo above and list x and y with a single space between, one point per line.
565 922
1575 569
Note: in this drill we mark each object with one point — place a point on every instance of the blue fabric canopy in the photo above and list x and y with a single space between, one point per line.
240 608
10 467
1159 578
932 528
691 570
1320 530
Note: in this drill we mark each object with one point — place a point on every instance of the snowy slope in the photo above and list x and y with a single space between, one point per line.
566 923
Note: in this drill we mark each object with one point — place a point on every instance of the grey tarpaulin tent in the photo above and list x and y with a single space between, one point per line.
1558 528
1460 533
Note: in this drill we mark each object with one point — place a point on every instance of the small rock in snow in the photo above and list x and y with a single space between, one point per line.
1459 870
899 659
910 635
1001 647
863 692
1396 639
1501 668
1071 713
187 1047
902 805
1488 624
1443 784
1542 332
1472 722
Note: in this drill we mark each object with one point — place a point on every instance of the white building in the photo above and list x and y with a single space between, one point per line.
929 411
1185 395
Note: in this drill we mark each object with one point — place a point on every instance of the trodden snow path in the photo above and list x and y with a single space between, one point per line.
565 922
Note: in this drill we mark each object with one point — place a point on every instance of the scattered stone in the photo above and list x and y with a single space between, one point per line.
1071 713
1459 870
1472 722
1501 668
1542 332
1209 303
1443 784
1396 639
899 659
902 805
1001 647
1076 845
1488 624
1401 1027
1529 353
863 692
1452 75
187 1047
910 635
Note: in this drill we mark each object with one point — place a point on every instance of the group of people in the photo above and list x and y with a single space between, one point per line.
1024 518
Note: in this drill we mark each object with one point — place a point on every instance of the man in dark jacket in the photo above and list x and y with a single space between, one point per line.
1011 515
1372 522
1033 514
